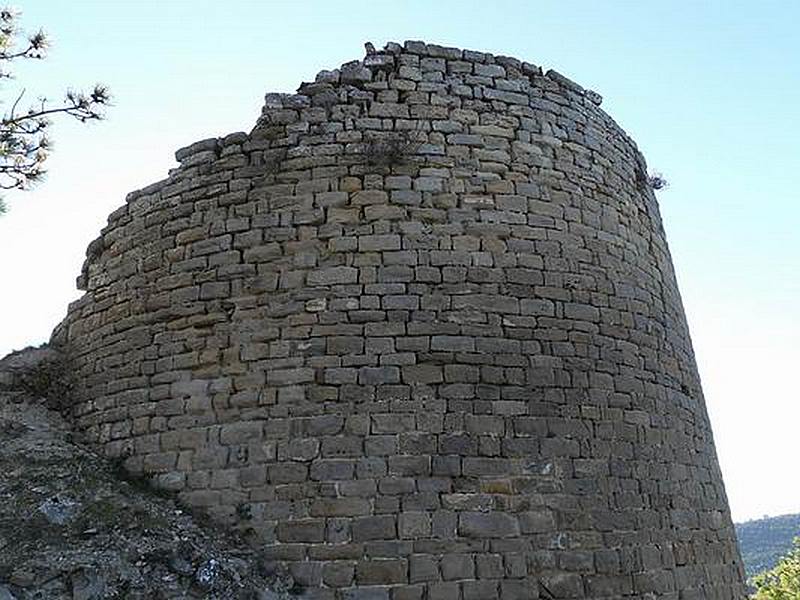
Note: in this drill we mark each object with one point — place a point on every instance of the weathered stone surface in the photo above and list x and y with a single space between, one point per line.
487 525
422 326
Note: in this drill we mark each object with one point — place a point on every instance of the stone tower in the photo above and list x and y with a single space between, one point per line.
418 334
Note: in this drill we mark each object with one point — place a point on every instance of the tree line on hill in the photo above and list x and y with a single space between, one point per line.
771 558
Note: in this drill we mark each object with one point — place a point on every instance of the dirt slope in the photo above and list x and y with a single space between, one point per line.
72 525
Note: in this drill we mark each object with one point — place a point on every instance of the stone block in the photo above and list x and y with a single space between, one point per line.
564 585
583 312
480 590
413 525
444 591
333 276
378 243
305 530
241 433
487 525
378 375
541 521
338 574
366 593
453 343
340 507
381 571
489 566
332 469
457 566
422 374
381 527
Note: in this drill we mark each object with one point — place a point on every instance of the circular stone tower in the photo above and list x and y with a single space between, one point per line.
419 335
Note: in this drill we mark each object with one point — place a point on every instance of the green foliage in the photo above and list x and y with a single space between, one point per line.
24 144
782 582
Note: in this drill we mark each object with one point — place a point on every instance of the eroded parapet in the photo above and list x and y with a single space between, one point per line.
419 334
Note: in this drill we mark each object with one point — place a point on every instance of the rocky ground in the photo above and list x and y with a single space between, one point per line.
74 525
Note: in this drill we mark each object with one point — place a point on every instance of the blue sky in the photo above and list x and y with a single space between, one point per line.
709 90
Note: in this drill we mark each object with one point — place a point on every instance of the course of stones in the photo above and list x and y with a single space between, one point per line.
418 335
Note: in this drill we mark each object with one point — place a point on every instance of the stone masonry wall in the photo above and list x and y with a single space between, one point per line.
418 335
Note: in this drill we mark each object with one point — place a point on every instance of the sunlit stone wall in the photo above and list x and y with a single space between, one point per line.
418 336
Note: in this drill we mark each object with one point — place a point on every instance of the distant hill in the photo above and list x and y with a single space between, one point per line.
764 541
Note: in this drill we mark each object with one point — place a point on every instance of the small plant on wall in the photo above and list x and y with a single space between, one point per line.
392 149
656 181
653 181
